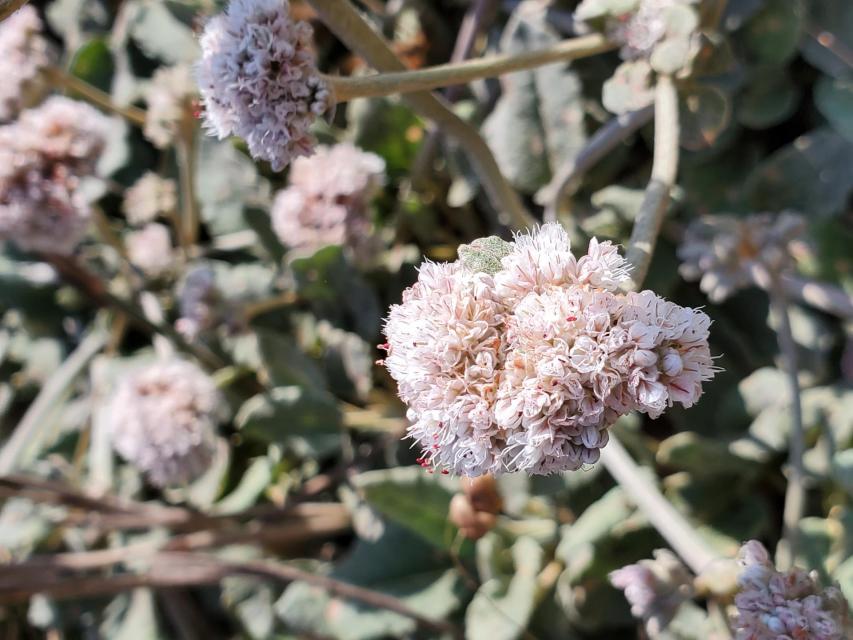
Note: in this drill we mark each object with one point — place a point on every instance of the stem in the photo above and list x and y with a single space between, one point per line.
355 32
185 148
8 7
827 297
795 493
664 169
27 434
386 84
664 517
567 178
94 95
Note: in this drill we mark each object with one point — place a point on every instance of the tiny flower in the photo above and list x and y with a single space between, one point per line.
327 200
149 198
721 251
43 156
163 420
24 53
258 80
655 589
150 249
791 604
199 302
169 98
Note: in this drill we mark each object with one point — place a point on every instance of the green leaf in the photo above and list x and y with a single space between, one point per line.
254 482
773 34
387 128
770 98
834 98
594 523
832 22
700 455
704 113
93 62
538 122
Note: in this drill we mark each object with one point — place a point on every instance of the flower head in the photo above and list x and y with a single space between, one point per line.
199 302
327 200
24 52
163 420
791 604
43 156
169 98
721 251
150 197
258 80
526 368
150 248
655 588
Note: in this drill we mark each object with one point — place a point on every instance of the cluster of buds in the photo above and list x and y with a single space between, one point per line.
475 510
520 356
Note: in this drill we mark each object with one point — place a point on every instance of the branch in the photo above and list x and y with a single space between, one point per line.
94 95
357 34
820 295
664 169
8 7
443 75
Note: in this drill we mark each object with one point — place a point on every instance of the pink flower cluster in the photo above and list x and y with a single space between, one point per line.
43 156
24 53
774 605
526 368
258 80
327 200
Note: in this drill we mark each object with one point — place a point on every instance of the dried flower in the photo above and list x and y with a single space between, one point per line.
472 524
150 197
169 98
327 200
150 249
43 156
721 251
24 52
773 605
527 368
258 80
163 420
655 588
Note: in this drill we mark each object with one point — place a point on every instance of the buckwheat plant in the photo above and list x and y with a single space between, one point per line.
524 366
43 157
163 420
327 200
24 53
259 81
774 605
149 198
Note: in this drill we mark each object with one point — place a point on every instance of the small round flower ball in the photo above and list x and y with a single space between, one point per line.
150 249
169 100
163 420
328 199
43 156
24 53
149 198
258 80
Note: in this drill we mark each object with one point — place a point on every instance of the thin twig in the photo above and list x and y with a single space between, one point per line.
26 433
8 7
185 149
568 176
348 25
827 297
443 75
94 95
664 169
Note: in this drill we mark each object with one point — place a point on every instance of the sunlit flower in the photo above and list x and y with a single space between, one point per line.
150 197
259 81
327 200
163 420
655 588
150 249
24 52
169 104
791 604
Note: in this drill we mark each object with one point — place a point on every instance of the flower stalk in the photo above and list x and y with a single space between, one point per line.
94 95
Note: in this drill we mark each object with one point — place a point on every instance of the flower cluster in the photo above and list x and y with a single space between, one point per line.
327 200
525 366
149 198
201 304
258 80
150 249
43 156
655 588
792 604
23 54
169 98
163 420
722 251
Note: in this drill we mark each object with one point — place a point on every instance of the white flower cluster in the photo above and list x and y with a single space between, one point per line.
150 249
773 605
525 367
258 80
23 54
327 200
149 198
721 251
655 589
163 420
169 98
43 156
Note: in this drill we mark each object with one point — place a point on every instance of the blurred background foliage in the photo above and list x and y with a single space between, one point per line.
767 126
